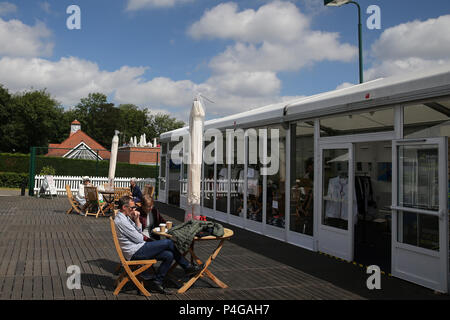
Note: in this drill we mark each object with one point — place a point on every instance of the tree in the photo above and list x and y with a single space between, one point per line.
133 122
30 118
160 123
98 118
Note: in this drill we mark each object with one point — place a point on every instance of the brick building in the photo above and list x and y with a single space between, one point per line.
78 146
139 155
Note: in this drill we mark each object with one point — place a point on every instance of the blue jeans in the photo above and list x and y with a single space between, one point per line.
161 250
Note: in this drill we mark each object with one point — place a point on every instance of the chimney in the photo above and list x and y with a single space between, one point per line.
75 126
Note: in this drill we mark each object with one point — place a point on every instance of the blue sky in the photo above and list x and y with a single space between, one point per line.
159 54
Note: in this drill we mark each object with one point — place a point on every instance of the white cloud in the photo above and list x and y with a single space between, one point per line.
400 66
157 92
68 79
7 8
274 22
134 5
18 39
246 84
428 39
412 46
345 85
276 37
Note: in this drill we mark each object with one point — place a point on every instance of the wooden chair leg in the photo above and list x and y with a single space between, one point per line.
69 211
120 286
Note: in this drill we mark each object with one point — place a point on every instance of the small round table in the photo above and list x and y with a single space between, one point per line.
228 233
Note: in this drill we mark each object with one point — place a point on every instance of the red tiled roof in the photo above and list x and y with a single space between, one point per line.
74 140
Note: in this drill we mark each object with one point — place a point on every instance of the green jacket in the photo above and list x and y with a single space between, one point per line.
185 233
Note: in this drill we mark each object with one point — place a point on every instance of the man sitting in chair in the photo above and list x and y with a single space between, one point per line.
135 190
134 247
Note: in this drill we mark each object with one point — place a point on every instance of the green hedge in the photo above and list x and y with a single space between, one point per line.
19 163
12 179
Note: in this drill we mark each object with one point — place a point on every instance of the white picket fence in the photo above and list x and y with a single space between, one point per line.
237 186
74 182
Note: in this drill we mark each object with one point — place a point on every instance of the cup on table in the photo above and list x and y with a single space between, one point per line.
169 224
162 227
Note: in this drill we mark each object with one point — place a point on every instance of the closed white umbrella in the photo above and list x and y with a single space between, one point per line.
113 159
196 119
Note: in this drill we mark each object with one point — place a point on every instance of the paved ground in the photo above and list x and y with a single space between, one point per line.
38 241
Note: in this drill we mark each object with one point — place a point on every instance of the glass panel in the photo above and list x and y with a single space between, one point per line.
174 183
222 180
427 120
163 148
418 177
276 178
183 181
208 182
419 230
237 177
358 123
335 188
163 173
302 178
254 178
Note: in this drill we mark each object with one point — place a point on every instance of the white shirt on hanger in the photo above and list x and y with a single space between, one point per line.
337 199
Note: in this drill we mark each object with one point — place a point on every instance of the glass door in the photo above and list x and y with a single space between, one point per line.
337 207
420 212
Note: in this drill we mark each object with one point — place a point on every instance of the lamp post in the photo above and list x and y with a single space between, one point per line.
338 3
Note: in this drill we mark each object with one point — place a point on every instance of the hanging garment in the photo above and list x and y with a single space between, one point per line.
364 195
337 199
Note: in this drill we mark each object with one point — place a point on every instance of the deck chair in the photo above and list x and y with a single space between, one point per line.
74 205
119 193
94 208
128 274
150 190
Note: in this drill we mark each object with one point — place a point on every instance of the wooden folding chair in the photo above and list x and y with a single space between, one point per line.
119 193
150 190
75 206
94 208
128 273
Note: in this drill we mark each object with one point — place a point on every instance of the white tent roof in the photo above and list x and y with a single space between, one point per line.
381 92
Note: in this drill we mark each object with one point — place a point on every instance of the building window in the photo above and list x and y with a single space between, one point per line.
254 177
427 120
336 188
358 123
208 180
237 145
302 178
222 182
276 178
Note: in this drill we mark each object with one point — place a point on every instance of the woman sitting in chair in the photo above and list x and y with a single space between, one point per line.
151 214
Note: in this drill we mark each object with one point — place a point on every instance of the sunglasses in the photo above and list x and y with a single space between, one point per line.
132 208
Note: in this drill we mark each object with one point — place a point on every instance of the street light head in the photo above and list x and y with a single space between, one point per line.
335 3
